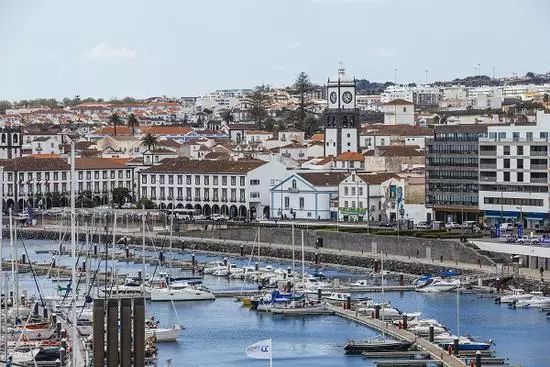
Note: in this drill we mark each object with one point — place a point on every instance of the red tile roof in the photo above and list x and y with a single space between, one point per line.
397 102
101 163
184 165
350 156
376 178
110 130
166 130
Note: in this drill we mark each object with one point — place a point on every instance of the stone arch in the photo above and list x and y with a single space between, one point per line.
188 206
179 206
267 211
206 210
233 211
20 204
224 210
198 207
162 206
215 209
169 206
242 211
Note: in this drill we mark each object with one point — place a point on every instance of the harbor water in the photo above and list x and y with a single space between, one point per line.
217 332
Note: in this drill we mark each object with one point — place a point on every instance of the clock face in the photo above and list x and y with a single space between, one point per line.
333 97
347 97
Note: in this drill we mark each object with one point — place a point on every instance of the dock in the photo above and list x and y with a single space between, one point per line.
436 353
407 362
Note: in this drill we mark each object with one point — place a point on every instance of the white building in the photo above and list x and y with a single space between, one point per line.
371 196
233 188
305 195
513 173
398 112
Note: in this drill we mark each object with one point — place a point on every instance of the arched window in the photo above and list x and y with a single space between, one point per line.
293 184
3 138
15 138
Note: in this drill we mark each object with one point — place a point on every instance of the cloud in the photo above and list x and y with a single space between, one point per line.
294 45
103 51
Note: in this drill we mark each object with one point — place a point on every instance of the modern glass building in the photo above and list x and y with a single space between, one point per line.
452 172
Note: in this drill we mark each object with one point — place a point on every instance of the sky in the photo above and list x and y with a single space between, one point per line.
140 48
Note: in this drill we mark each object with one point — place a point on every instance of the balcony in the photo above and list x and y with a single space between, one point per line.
215 199
188 198
242 200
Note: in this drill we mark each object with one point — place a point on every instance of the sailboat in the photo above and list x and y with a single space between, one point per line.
379 343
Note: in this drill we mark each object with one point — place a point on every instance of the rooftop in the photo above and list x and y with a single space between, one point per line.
323 178
184 165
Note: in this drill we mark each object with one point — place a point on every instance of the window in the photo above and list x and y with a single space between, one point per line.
506 176
520 176
63 176
360 206
287 202
197 194
88 175
294 184
188 194
506 163
224 180
153 179
96 175
520 150
170 179
215 180
55 176
382 142
242 195
345 190
506 149
353 191
360 191
188 179
80 175
233 195
112 174
206 180
197 180
515 136
233 180
215 194
144 179
529 136
519 163
180 193
543 135
120 174
241 180
253 182
345 204
302 203
180 180
161 179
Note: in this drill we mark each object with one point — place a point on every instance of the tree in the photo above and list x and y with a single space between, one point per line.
150 141
258 101
115 120
145 203
121 195
545 99
56 198
133 122
4 105
84 199
302 87
227 116
269 124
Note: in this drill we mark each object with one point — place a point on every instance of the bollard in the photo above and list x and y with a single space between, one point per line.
98 323
193 262
64 343
450 349
63 334
405 322
58 329
319 294
455 346
225 261
139 332
62 355
35 310
256 266
401 280
23 259
112 332
127 249
431 333
57 363
348 302
316 258
95 249
125 332
377 312
478 359
242 250
289 270
54 318
45 313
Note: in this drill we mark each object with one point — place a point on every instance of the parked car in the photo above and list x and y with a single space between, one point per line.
528 240
423 225
509 238
452 225
385 224
200 217
506 226
219 217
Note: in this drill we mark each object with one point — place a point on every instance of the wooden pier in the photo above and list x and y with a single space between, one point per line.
436 353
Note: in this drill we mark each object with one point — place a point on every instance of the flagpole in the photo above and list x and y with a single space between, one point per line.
270 352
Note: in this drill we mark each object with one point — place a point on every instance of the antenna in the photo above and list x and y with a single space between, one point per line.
426 72
395 76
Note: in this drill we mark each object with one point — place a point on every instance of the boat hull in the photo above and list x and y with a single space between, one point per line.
358 348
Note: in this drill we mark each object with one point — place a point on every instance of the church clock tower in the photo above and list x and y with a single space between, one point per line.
342 116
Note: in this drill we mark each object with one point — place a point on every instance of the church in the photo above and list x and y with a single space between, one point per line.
341 117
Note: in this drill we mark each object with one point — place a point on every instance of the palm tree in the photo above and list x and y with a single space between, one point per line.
133 122
150 141
115 120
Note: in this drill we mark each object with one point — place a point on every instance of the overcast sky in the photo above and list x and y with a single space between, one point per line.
106 48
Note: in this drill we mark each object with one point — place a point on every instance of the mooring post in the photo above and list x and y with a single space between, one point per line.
125 332
112 332
139 332
431 333
478 359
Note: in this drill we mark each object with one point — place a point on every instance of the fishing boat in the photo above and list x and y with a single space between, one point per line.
379 344
516 295
182 291
437 285
359 283
537 300
164 334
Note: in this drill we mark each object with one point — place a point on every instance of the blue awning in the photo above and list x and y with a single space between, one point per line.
503 214
535 216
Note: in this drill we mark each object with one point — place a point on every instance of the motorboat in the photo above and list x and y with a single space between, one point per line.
445 338
359 283
335 297
385 312
164 334
437 284
380 273
465 343
537 300
228 270
517 295
379 344
424 330
182 291
312 285
20 358
303 307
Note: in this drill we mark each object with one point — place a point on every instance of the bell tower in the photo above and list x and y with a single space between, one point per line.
341 116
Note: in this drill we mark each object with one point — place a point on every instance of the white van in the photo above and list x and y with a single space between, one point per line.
506 226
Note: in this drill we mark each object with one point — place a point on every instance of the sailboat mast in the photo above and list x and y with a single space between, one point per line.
143 255
113 265
293 248
303 259
458 312
73 254
382 280
1 251
14 297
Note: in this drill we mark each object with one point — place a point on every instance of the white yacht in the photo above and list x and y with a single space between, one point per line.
517 295
437 284
164 334
537 300
181 291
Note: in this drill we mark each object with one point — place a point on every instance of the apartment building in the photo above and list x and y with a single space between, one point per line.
452 177
235 188
513 173
100 176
